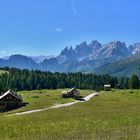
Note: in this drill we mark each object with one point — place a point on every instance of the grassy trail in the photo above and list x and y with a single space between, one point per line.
87 98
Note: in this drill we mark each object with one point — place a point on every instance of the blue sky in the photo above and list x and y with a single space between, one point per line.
45 27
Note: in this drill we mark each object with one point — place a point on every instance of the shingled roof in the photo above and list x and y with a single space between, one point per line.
11 93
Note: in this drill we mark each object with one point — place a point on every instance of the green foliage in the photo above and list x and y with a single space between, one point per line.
134 82
17 79
2 71
35 97
38 87
123 82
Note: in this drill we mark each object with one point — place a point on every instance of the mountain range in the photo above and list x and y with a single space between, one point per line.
125 67
92 57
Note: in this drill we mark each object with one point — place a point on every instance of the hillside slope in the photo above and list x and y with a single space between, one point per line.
125 67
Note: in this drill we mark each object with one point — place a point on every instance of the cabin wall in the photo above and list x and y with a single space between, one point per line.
9 98
107 88
9 102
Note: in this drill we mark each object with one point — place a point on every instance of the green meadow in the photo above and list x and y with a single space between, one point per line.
113 115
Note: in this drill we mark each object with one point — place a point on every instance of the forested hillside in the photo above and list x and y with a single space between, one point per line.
16 79
30 80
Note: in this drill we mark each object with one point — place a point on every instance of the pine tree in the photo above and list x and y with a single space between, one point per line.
134 82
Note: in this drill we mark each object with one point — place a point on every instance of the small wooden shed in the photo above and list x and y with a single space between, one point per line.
73 93
10 100
107 87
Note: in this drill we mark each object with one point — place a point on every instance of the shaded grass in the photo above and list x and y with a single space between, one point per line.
111 116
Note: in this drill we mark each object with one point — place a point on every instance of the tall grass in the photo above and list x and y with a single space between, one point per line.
110 116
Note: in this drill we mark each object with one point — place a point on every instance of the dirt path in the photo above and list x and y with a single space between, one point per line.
87 98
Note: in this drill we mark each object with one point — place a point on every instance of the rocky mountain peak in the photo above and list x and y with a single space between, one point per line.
95 45
135 48
65 51
80 47
116 44
117 48
81 58
95 42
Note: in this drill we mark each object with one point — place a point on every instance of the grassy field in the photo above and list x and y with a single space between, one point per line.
44 98
113 115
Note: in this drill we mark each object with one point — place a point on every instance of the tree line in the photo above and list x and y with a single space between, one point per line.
16 79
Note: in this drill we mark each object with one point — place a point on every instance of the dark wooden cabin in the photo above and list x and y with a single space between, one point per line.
73 93
10 100
107 87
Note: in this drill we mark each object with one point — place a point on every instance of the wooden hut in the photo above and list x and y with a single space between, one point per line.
107 87
10 100
73 93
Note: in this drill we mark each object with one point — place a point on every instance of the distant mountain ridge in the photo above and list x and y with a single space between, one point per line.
19 61
125 67
37 59
41 58
84 57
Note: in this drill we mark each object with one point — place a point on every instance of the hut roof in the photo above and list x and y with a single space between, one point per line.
107 86
11 93
73 89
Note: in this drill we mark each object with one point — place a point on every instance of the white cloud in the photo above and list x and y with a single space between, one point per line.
74 9
59 29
